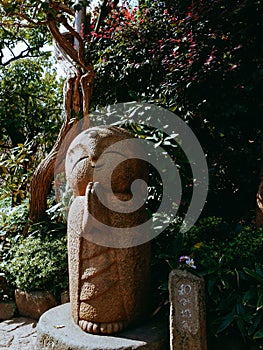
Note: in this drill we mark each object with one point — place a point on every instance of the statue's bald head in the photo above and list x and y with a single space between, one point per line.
93 149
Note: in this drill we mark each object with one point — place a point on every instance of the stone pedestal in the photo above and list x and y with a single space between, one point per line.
57 330
187 311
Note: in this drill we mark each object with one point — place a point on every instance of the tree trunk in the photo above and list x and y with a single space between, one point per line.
77 89
259 213
69 49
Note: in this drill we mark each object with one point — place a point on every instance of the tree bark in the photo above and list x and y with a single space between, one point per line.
77 95
44 173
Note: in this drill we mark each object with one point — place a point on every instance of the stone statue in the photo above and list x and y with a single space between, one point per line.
109 286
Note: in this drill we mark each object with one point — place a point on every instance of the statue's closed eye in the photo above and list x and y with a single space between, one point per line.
79 160
92 133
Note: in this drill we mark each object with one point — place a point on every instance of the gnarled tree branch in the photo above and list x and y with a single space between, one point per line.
77 96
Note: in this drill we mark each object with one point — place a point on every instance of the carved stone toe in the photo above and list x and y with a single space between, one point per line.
101 328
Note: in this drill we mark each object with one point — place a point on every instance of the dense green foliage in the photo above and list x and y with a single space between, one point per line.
12 224
16 168
37 260
30 109
203 62
230 259
30 102
38 264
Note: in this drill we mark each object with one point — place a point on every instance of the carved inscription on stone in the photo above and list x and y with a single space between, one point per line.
187 311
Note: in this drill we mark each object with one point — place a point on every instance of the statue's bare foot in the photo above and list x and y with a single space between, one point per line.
102 328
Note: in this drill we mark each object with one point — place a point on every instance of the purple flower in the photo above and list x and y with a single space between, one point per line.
188 261
184 258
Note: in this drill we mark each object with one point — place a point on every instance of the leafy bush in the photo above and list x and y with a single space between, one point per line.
30 109
35 263
16 169
230 259
168 147
30 104
6 292
37 259
13 221
202 61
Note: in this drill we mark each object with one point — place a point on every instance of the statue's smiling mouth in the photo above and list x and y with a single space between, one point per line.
97 166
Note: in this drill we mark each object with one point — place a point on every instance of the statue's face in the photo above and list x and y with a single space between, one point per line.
80 161
90 158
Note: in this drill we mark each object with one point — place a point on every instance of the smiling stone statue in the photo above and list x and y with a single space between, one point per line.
109 273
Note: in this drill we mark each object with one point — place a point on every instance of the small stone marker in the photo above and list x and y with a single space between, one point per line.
187 311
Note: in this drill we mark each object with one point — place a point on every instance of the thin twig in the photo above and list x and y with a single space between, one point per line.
62 7
63 43
81 50
103 10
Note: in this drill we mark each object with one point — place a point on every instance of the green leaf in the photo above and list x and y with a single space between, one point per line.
45 6
260 299
253 274
259 270
258 334
258 318
225 322
241 326
250 296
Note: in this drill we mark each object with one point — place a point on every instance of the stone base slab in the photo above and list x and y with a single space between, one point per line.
57 330
18 334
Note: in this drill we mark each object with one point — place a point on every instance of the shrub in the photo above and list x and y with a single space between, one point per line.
202 61
36 259
35 263
13 221
229 257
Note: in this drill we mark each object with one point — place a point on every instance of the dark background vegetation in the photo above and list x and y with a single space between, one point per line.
201 60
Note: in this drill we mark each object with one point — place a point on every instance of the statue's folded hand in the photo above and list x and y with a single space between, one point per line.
94 210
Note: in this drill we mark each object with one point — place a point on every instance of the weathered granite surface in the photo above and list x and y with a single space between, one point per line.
34 304
187 311
7 310
18 334
57 330
109 287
